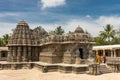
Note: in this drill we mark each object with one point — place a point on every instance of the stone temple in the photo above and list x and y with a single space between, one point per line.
70 53
25 45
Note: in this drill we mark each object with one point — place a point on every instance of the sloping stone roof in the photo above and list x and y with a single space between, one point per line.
22 35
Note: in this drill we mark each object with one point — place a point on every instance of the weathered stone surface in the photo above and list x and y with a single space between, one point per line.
26 45
94 69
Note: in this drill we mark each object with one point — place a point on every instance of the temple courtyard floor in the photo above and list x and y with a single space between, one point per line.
35 74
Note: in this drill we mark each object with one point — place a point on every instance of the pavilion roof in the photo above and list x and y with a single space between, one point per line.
106 47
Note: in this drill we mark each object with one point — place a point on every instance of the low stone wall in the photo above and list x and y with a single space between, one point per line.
114 64
114 67
15 66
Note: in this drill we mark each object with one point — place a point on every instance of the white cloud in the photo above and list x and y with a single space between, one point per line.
90 26
52 3
9 14
6 28
114 20
88 16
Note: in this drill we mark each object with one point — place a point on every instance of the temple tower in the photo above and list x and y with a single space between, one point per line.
21 45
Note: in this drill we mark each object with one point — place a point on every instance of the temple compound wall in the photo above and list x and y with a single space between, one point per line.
27 45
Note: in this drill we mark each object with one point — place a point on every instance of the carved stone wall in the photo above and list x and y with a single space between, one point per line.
51 53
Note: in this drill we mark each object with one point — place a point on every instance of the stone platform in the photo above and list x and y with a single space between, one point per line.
45 67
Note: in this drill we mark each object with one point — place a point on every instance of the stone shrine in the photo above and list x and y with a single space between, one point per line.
26 46
29 48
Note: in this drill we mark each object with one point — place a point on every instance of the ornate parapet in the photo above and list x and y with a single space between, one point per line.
74 37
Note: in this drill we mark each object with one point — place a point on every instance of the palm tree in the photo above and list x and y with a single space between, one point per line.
108 33
1 42
117 36
99 41
5 39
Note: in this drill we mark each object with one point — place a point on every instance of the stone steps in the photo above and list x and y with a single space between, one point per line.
104 69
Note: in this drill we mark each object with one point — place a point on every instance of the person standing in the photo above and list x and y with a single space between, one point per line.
104 59
98 59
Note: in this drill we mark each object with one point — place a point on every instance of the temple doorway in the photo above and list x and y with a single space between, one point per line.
81 53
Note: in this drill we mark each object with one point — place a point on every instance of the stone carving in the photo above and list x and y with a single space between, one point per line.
30 45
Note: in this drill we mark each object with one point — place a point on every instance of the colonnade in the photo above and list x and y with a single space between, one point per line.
22 54
112 52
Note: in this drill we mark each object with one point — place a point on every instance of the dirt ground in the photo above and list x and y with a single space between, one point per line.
34 74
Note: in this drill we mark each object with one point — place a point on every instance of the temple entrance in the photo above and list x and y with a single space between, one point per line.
81 53
4 54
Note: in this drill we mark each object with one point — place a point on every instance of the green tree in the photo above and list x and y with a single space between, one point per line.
57 31
40 32
99 41
4 40
116 39
1 42
108 34
6 37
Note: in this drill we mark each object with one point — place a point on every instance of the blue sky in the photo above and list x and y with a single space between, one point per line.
91 15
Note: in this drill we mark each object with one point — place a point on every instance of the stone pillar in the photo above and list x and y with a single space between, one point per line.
111 53
14 54
96 52
104 53
114 53
33 52
19 57
29 54
24 54
9 54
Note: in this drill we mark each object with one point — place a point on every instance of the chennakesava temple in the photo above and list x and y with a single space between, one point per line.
64 53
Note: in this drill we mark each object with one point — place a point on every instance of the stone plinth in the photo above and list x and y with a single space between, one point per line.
65 69
114 67
94 69
78 70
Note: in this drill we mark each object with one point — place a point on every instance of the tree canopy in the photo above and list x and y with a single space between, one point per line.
109 36
4 40
41 32
57 31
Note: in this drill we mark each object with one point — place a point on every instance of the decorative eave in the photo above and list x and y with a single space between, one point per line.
67 42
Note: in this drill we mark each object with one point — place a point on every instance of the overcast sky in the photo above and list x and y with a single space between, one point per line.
91 15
